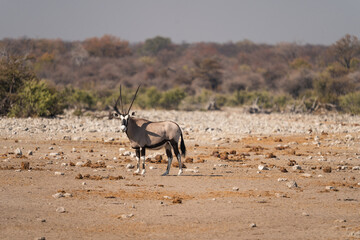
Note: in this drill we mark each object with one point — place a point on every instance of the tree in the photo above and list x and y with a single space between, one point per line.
208 72
154 45
14 72
345 49
107 46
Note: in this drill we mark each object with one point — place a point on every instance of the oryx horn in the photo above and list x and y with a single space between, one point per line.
117 102
133 99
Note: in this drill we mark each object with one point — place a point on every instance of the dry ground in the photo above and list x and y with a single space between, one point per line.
221 195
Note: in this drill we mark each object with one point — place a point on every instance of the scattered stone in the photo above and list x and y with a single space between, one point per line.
64 164
60 210
307 175
329 188
79 176
130 166
58 195
284 170
68 195
282 179
189 160
235 189
252 225
327 169
263 167
80 164
292 184
356 168
177 200
25 166
18 152
125 216
67 138
30 152
152 167
296 167
40 238
305 214
59 173
280 195
53 154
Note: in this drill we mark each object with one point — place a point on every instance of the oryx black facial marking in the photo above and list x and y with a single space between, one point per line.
145 134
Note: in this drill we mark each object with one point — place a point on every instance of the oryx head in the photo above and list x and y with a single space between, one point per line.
123 116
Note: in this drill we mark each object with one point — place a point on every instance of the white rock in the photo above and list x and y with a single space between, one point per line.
356 168
58 195
307 175
121 150
252 225
263 167
124 216
235 189
64 164
59 173
54 154
152 167
68 195
127 153
79 164
291 184
167 197
130 166
110 167
296 167
18 152
30 152
60 210
282 179
329 188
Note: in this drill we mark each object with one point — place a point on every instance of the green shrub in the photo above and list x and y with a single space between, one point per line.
350 103
172 98
36 99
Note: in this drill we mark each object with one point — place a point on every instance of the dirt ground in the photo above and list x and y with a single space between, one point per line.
234 186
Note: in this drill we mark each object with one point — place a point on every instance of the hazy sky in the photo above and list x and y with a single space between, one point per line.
261 21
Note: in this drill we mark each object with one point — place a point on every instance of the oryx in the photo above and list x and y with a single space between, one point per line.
145 134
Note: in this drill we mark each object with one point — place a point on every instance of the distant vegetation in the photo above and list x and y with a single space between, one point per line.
41 77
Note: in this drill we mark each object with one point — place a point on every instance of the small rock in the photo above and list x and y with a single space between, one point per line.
152 167
235 189
282 179
53 154
280 195
51 148
296 167
30 152
263 167
307 175
356 168
18 152
291 184
83 183
68 195
64 164
58 195
130 166
127 153
67 138
80 164
329 188
327 169
59 173
124 216
60 210
252 225
25 166
305 214
40 238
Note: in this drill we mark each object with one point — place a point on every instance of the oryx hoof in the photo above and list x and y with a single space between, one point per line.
137 171
165 173
180 172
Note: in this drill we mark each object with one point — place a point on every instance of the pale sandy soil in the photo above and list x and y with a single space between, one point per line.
214 199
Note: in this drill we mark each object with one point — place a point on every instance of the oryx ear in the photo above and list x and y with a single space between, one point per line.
133 114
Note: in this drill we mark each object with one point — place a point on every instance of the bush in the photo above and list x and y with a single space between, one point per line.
37 99
172 98
350 103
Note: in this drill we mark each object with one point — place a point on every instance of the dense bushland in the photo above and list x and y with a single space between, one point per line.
41 77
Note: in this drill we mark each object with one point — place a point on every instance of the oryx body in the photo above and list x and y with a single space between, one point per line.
144 134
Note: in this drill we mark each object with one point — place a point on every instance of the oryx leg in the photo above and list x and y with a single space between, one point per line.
174 144
137 151
142 154
169 156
